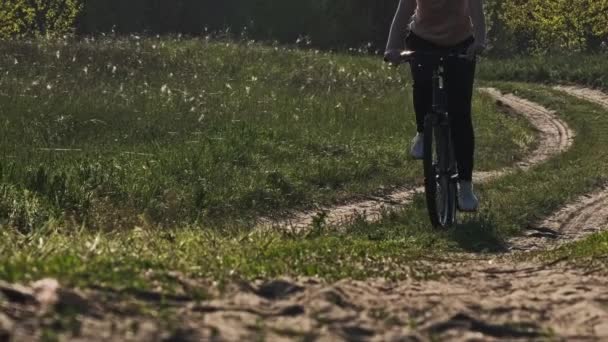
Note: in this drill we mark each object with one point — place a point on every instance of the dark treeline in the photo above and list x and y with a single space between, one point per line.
326 23
520 26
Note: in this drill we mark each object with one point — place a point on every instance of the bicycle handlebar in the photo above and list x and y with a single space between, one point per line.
407 56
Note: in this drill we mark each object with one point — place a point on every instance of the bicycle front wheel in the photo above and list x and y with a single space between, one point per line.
439 174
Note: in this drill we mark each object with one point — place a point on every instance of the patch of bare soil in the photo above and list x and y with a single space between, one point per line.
475 301
554 137
472 300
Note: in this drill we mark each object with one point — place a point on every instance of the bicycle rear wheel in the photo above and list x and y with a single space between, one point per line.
439 173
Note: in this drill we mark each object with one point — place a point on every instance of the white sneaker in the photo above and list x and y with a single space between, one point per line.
467 201
417 149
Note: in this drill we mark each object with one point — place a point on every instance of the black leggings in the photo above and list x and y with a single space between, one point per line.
459 78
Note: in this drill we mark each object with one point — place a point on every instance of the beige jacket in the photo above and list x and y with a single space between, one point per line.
443 22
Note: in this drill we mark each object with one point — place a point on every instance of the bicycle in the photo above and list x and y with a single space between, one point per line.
440 167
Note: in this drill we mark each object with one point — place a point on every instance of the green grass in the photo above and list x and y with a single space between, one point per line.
248 156
112 134
584 69
589 252
396 248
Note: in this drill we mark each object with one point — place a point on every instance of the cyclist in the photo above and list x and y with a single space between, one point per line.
456 26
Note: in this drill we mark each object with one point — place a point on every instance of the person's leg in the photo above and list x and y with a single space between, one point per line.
460 75
459 82
422 92
422 75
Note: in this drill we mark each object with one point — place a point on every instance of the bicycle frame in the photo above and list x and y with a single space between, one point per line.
440 167
441 114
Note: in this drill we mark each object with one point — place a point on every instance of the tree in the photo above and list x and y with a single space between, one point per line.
14 16
37 17
577 25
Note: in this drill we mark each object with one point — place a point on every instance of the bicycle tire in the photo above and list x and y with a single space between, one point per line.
447 179
439 176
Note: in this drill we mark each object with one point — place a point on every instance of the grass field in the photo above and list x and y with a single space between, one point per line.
584 69
118 133
123 160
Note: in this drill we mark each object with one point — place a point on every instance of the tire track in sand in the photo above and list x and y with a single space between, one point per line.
591 95
555 137
585 216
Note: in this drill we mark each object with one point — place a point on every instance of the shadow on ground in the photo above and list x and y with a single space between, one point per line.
478 235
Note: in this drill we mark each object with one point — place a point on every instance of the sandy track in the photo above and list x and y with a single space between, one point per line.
591 95
526 302
473 300
554 137
585 216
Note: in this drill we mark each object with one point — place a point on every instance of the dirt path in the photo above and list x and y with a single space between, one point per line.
519 302
591 95
554 137
585 216
472 300
475 298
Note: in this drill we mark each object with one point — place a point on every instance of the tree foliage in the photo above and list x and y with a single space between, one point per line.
37 17
544 25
